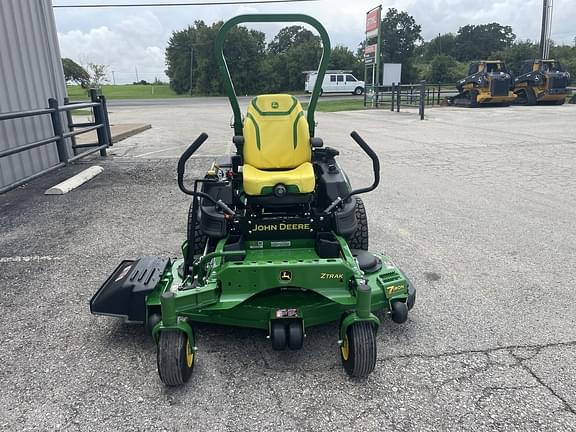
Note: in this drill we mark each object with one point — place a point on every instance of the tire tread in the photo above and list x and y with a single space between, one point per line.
362 345
172 368
359 239
200 238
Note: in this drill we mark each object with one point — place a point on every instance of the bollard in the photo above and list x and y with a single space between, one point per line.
422 100
70 121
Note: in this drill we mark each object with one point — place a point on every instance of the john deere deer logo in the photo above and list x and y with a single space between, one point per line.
275 105
286 275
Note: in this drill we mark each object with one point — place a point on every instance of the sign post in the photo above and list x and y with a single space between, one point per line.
372 51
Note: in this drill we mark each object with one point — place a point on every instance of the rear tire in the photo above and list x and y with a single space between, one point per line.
358 349
358 91
200 238
359 239
175 357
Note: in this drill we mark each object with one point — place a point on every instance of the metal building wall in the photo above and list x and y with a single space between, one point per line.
30 74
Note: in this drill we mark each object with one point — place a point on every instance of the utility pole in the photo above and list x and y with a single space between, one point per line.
546 29
136 70
113 78
191 68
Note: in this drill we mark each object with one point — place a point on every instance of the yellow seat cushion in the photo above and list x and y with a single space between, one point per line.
277 146
260 182
276 134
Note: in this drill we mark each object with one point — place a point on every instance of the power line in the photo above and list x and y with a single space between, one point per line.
209 3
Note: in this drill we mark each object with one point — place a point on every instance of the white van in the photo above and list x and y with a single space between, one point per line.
335 82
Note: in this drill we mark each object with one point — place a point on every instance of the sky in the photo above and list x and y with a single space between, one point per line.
132 41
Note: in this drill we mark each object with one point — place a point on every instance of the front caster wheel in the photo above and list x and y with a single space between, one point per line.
358 349
295 335
399 312
175 357
278 335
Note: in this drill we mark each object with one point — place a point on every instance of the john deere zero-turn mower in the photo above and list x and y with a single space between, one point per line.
542 81
488 82
277 240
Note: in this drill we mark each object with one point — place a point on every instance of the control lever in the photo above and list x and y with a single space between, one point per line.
375 167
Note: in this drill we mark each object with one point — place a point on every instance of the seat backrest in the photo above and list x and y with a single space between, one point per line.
276 134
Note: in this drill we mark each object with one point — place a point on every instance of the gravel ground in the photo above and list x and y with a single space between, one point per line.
477 207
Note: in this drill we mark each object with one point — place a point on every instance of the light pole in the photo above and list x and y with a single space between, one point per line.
546 29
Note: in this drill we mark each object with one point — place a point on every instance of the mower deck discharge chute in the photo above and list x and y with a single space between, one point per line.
277 240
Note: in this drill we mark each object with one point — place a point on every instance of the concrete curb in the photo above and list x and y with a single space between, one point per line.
130 132
75 181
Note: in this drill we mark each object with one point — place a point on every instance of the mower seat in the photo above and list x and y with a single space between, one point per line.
277 147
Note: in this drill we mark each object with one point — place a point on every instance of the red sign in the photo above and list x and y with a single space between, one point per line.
373 20
370 54
370 49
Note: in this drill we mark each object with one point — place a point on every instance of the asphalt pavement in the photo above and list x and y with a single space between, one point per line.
476 206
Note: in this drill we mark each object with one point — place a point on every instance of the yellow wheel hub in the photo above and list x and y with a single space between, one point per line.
345 348
189 354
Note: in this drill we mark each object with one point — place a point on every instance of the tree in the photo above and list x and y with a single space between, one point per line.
400 35
290 37
192 65
478 42
73 72
443 44
292 51
444 69
515 54
342 58
97 74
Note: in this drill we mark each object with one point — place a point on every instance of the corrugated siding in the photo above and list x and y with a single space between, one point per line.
30 74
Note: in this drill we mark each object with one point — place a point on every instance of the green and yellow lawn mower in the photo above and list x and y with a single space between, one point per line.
277 241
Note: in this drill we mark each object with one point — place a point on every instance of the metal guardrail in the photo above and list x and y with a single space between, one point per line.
419 95
100 124
411 95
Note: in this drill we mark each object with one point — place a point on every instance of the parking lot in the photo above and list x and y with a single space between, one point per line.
476 206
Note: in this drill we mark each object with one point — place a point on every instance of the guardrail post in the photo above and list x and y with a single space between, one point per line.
70 125
422 100
99 120
106 119
58 130
393 99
